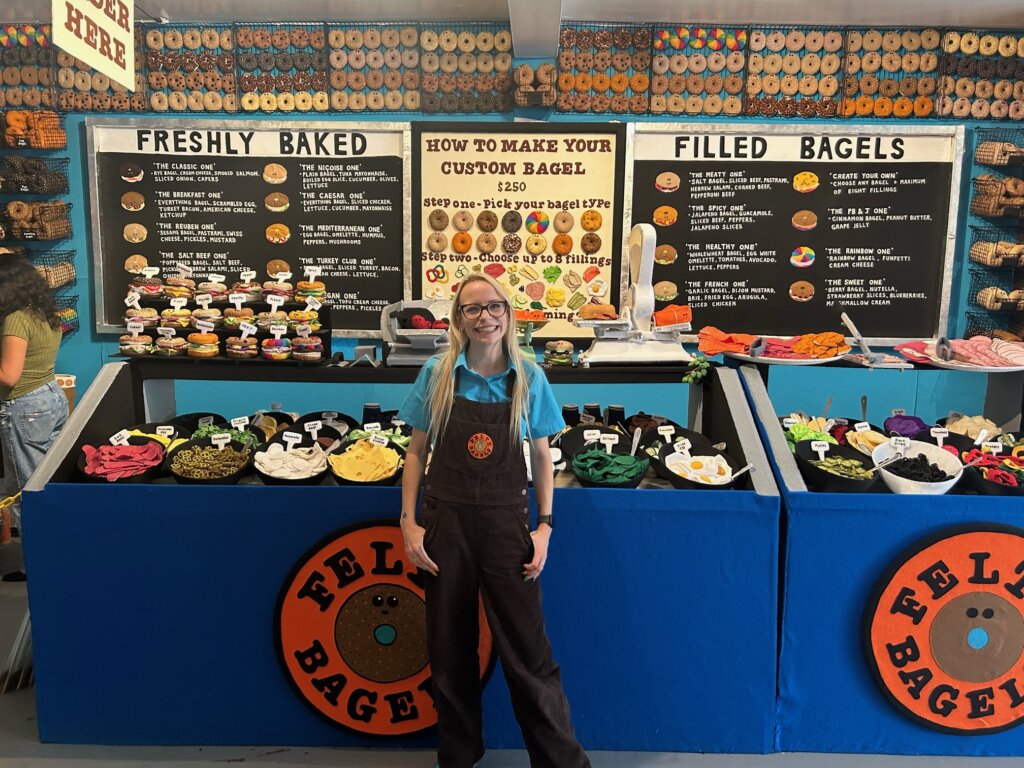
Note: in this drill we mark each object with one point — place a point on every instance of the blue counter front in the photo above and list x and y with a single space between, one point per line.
837 546
153 610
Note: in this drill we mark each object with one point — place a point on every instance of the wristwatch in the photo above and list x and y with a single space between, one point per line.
549 519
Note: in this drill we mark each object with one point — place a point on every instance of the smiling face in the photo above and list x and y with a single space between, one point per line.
485 329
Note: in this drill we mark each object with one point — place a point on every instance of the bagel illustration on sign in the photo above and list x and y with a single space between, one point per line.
945 633
350 632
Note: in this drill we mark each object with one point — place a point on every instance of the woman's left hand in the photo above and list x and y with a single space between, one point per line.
532 569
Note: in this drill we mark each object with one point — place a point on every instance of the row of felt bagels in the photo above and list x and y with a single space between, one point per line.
644 91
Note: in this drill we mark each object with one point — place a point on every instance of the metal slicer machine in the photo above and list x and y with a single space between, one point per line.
411 347
633 339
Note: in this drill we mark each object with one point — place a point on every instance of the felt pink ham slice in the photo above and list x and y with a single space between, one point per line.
977 350
1012 351
116 462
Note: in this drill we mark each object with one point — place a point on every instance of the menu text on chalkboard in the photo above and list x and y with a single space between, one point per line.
315 203
780 233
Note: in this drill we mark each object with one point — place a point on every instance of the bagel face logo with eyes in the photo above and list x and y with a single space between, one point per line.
945 630
351 633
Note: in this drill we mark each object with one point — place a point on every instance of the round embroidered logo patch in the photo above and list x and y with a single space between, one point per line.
945 631
480 445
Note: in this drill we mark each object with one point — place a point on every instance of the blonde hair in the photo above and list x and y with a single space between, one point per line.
442 382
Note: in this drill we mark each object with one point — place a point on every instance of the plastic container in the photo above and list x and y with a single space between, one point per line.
143 477
343 422
946 461
572 441
151 427
305 442
204 442
668 454
827 482
386 481
189 422
960 442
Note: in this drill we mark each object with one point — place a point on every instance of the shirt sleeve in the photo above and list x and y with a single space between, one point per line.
415 411
17 324
545 415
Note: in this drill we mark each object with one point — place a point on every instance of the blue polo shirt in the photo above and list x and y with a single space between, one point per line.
545 417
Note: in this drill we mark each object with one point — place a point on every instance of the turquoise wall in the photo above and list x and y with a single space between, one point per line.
930 394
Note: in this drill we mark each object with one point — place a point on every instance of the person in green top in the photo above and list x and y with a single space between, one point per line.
33 410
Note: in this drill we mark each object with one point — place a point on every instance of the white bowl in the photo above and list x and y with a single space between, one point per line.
946 461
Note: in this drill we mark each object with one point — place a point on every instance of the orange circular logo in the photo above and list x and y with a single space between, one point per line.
351 633
480 445
945 631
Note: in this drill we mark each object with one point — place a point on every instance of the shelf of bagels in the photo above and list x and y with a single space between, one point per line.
184 319
663 67
602 449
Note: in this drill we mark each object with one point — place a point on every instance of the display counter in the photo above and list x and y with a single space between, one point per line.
838 546
153 605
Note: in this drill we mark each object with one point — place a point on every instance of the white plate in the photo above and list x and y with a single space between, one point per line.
951 365
781 360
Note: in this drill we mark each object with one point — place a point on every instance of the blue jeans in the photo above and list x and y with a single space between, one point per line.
28 426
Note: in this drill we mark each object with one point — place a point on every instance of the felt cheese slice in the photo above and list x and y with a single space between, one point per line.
364 462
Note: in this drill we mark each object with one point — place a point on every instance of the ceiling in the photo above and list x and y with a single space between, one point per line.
976 13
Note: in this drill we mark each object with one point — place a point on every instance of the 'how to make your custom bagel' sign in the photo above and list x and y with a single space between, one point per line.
248 196
944 630
351 633
780 229
538 207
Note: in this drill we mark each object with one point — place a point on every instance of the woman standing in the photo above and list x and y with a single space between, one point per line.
475 403
32 407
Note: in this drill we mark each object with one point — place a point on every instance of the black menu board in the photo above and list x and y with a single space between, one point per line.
780 233
321 201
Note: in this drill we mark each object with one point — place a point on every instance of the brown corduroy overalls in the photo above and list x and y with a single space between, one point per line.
476 513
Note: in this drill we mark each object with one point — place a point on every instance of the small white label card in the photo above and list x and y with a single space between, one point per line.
120 437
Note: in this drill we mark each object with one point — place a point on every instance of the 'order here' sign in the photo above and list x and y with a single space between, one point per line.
99 32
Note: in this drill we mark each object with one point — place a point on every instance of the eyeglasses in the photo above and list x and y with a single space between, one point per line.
494 309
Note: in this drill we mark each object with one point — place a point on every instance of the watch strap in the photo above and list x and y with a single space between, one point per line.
549 519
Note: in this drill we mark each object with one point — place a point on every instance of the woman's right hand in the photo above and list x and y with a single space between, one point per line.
413 535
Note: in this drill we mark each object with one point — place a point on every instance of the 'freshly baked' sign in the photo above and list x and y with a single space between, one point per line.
253 196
